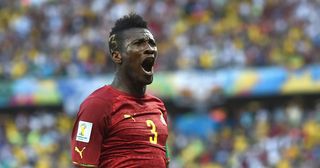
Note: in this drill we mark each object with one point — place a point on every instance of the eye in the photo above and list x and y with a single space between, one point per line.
152 43
139 42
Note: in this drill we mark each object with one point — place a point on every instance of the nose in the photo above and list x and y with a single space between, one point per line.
151 50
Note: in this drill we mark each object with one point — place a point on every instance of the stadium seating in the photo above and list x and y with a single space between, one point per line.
68 38
50 39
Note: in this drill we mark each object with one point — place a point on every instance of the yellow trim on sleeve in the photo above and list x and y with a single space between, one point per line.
83 164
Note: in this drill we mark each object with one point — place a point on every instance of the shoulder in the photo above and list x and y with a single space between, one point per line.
104 93
153 98
156 102
100 100
101 95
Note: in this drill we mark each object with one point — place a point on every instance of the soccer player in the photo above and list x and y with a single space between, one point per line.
120 125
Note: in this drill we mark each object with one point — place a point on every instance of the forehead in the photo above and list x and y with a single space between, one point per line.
137 33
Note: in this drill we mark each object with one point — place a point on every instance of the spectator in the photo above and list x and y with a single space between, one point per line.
67 38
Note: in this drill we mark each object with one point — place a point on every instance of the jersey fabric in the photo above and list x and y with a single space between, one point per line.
114 129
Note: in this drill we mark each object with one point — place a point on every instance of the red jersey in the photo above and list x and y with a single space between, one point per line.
114 129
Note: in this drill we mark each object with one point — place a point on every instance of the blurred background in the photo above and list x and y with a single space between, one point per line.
240 79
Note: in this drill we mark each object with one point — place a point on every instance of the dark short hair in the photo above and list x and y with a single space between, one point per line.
129 21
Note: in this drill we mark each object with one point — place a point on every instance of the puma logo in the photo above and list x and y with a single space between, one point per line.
129 116
79 151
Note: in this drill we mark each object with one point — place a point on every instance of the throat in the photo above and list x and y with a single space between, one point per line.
137 91
141 92
129 87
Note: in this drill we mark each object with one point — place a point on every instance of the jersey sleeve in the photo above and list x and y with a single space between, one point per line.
165 116
88 131
164 112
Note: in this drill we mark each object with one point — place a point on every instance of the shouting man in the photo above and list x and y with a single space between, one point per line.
120 125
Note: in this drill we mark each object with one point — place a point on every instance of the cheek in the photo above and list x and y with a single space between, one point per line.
132 63
133 58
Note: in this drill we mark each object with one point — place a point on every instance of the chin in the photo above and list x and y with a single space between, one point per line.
149 83
148 80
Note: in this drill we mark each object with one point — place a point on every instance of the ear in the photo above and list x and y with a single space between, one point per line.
116 57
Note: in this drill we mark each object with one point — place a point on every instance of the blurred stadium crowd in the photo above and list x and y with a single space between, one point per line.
50 38
283 136
45 38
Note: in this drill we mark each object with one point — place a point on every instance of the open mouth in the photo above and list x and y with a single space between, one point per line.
147 64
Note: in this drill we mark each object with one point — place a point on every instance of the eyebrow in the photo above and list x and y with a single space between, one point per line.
142 40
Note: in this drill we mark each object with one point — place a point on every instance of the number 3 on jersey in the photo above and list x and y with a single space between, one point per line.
152 139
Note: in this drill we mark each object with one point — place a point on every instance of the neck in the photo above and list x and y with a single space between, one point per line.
128 86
